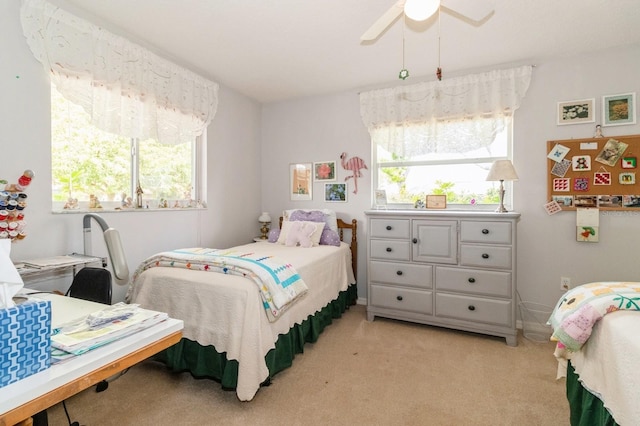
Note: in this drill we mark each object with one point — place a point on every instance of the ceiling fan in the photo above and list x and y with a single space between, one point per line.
473 11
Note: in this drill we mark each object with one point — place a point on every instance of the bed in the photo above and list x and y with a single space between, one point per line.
598 349
230 334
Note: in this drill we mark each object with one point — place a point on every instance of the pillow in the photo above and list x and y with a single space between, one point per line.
329 238
273 235
301 233
315 235
330 217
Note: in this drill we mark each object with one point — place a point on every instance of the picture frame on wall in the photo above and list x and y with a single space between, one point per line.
618 110
324 171
335 192
300 181
576 112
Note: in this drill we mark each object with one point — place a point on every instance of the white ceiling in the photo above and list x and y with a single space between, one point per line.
272 50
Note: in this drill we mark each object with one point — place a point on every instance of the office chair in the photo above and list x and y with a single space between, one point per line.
93 284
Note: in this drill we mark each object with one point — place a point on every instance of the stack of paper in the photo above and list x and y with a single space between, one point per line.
101 327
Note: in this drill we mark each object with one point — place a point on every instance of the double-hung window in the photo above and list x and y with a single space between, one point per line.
128 126
442 137
449 158
91 167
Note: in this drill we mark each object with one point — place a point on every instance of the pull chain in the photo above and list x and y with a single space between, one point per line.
404 73
439 70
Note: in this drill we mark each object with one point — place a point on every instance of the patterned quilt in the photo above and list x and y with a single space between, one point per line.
580 308
278 282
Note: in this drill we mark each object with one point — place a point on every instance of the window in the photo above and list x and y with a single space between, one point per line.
449 158
89 164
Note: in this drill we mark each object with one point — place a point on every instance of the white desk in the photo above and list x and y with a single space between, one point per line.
40 391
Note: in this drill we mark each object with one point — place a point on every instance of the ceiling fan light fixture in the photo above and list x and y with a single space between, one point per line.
419 10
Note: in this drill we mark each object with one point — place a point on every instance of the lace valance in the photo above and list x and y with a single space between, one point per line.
125 88
493 93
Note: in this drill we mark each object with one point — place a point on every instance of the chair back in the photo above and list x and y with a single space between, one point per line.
93 284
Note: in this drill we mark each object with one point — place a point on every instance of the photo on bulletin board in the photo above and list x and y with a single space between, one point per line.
619 110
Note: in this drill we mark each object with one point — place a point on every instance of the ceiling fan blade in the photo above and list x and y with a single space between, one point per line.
383 22
474 10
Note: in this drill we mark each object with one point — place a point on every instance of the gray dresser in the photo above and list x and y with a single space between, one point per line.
444 268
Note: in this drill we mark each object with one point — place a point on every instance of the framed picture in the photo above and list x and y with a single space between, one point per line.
335 192
436 201
576 112
324 171
618 110
380 197
300 188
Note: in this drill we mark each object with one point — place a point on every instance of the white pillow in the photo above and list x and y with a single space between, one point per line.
315 237
330 217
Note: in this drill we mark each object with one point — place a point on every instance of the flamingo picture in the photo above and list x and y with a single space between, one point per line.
355 164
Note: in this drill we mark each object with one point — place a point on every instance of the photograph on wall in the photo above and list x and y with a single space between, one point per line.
619 110
335 192
631 201
576 112
586 201
300 182
563 200
611 152
610 201
324 171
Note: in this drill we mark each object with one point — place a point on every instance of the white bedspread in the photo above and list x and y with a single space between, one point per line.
226 310
608 365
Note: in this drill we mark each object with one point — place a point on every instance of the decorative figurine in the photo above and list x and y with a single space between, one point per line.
139 196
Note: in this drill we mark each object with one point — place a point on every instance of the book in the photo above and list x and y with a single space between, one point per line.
92 331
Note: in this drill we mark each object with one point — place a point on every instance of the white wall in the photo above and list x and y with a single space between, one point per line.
233 190
319 128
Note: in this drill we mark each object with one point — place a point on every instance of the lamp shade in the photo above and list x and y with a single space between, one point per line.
264 217
419 10
502 170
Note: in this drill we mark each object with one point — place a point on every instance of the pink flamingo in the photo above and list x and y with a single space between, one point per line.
354 164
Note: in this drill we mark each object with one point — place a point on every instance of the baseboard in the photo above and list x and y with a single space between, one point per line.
361 301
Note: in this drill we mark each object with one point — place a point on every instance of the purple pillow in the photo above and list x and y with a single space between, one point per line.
329 237
274 234
309 216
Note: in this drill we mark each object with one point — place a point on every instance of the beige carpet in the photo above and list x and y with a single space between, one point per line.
383 372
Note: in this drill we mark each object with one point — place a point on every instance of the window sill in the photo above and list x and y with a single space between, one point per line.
129 210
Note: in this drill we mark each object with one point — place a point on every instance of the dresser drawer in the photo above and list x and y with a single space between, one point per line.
401 298
390 228
485 232
401 274
485 256
474 309
487 283
390 249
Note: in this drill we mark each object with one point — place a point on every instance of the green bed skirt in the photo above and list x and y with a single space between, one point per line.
206 362
586 409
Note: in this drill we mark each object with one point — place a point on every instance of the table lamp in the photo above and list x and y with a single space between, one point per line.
265 220
502 170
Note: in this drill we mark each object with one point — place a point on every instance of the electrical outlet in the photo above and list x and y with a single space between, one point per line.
565 283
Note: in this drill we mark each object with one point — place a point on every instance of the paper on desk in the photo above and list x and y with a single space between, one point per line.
10 280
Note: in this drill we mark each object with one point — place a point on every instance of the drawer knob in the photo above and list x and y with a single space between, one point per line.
485 231
472 308
399 298
415 241
399 273
485 256
389 228
388 249
472 280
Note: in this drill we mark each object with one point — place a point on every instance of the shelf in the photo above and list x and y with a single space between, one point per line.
30 267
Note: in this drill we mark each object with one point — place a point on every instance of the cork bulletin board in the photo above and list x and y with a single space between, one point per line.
594 172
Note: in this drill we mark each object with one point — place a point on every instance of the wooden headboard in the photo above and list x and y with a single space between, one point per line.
353 228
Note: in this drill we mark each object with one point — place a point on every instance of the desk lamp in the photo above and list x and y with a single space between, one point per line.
502 170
